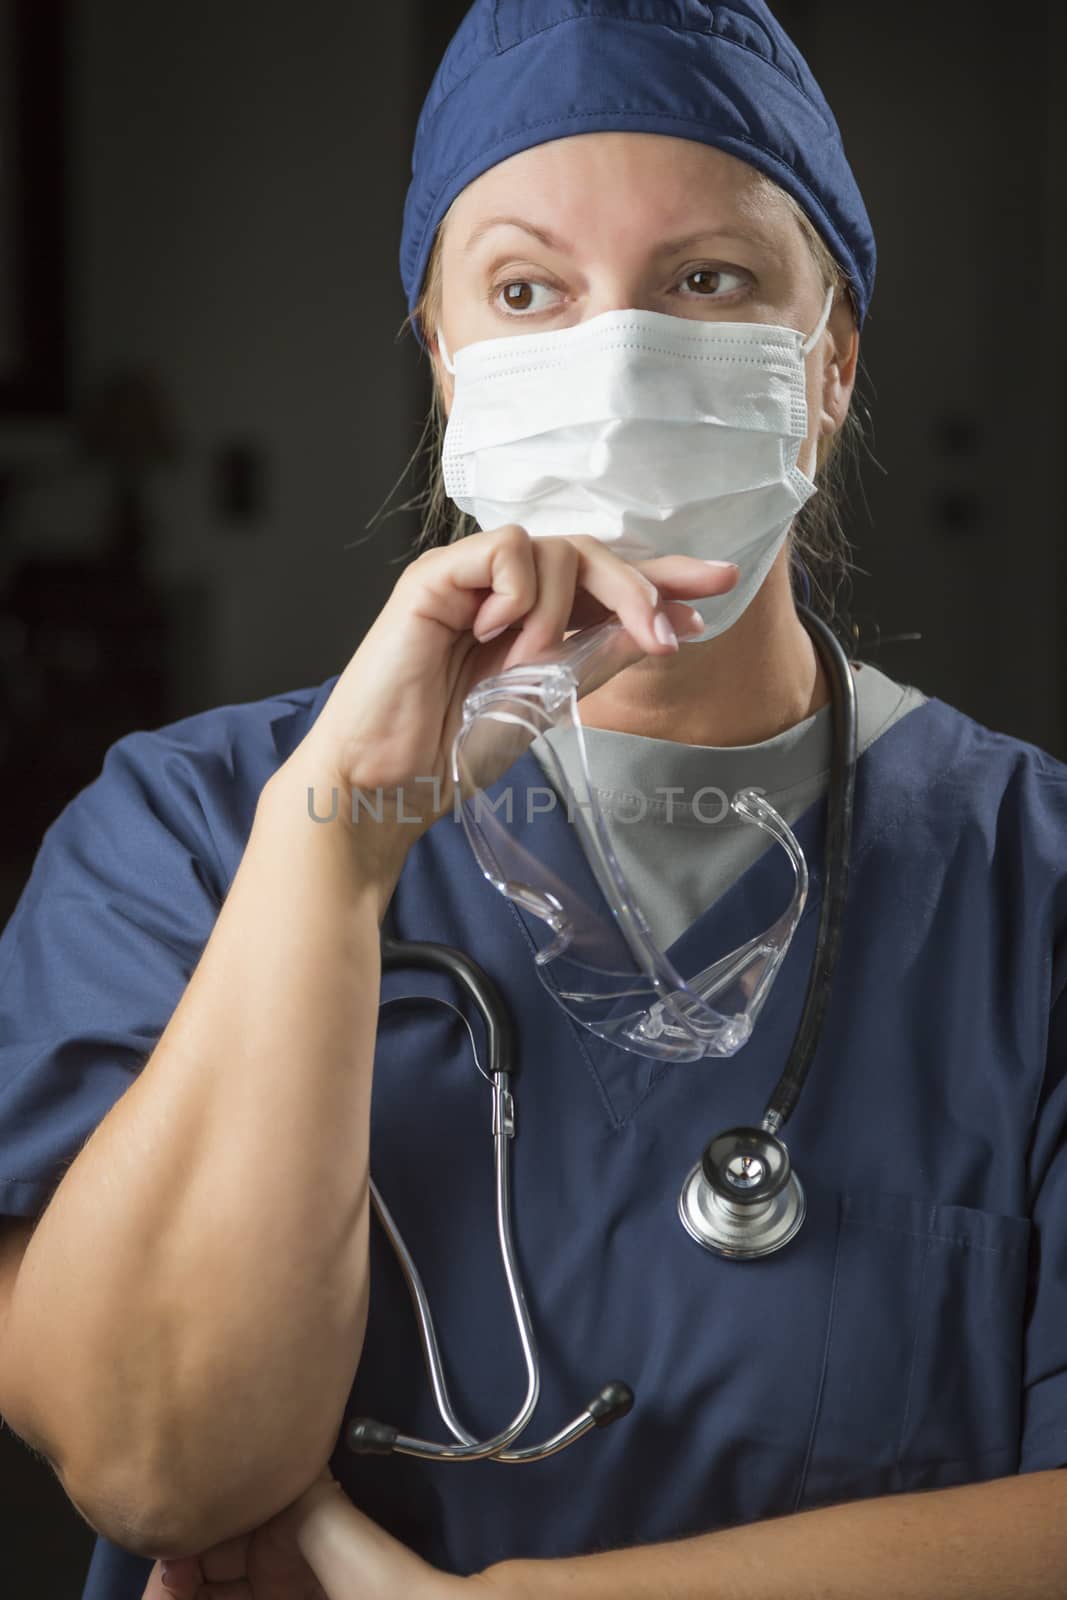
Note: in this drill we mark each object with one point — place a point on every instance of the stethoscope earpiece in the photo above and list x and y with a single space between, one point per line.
742 1199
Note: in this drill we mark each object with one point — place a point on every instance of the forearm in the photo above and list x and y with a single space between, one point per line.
191 1309
354 1559
1003 1540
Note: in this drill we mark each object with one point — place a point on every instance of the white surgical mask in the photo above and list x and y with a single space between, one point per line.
657 435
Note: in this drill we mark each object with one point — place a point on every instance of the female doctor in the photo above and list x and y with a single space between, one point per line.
190 986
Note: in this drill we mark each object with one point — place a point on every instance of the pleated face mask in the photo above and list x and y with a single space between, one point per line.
657 435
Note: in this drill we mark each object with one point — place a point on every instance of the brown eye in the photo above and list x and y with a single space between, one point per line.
517 296
704 281
712 283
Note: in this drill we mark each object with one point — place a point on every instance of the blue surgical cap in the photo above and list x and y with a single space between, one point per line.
521 72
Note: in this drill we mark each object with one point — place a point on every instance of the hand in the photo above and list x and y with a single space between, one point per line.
266 1564
319 1548
393 712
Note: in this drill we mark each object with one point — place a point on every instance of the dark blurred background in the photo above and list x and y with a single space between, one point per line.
203 401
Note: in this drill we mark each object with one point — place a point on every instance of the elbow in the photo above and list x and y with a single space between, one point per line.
161 1516
117 1517
124 1520
157 1526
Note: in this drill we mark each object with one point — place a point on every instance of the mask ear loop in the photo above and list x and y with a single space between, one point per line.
445 357
820 327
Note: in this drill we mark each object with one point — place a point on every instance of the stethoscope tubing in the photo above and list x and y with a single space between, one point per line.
467 1447
839 814
615 1399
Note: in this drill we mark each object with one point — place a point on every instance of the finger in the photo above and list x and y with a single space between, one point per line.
622 588
685 620
484 581
183 1580
689 577
588 611
682 575
153 1589
679 576
556 562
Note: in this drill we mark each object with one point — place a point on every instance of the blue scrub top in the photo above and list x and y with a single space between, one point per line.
913 1336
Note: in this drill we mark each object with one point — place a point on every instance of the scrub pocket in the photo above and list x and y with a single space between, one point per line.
922 1377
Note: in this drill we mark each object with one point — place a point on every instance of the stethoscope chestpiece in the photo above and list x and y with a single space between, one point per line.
742 1199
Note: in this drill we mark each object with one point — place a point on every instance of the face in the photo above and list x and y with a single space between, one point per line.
615 221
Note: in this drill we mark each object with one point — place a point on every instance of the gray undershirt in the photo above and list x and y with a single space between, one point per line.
668 804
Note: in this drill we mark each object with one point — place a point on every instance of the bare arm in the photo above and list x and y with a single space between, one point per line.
1003 1540
188 1315
235 1163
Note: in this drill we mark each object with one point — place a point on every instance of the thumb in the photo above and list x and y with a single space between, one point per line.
174 1580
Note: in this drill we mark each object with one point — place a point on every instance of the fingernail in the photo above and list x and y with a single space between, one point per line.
725 566
484 638
167 1578
694 622
663 630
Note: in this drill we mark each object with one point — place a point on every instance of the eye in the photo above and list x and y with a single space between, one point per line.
519 296
711 283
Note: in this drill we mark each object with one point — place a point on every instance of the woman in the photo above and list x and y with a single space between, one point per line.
191 925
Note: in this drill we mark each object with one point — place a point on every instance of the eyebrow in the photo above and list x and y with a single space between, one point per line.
668 247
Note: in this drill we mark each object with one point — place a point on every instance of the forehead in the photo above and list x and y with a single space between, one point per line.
644 180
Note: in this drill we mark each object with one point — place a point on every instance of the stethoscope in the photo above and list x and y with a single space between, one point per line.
741 1200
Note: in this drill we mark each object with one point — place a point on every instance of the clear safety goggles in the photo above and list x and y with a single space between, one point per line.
593 948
